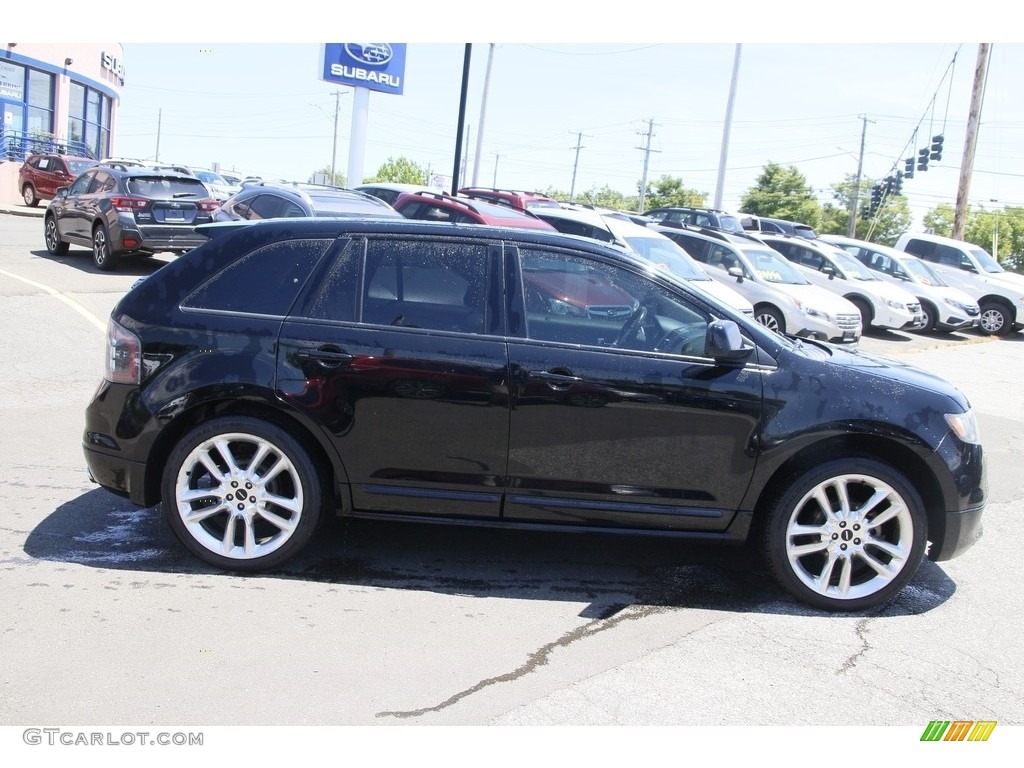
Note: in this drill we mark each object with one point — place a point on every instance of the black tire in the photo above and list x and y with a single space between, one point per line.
247 519
866 313
28 194
102 256
835 560
995 319
770 318
931 317
54 245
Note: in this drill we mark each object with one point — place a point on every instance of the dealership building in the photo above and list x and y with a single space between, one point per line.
57 97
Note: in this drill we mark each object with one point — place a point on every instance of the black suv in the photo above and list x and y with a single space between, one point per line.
293 369
277 200
127 210
696 217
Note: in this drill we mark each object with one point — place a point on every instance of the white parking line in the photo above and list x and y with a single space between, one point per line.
101 325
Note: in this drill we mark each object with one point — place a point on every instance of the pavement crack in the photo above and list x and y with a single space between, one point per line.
861 630
536 659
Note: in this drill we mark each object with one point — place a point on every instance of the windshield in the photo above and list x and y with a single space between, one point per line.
922 273
772 267
851 266
985 260
211 178
666 254
730 223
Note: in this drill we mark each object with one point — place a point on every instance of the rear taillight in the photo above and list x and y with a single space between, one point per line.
129 203
208 206
124 355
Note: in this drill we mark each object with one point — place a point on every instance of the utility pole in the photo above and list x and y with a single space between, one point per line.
483 112
334 149
647 156
723 159
851 227
466 58
494 181
576 162
971 140
159 118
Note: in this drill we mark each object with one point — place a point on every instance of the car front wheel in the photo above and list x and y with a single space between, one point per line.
241 494
51 234
847 535
995 320
28 194
770 319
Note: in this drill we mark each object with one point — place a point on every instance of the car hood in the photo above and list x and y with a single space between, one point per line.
902 374
724 294
817 298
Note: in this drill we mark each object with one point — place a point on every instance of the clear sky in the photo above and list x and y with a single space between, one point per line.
260 107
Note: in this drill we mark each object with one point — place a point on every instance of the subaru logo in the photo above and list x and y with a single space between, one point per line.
373 54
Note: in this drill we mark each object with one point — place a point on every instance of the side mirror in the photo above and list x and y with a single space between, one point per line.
736 272
828 269
61 193
724 343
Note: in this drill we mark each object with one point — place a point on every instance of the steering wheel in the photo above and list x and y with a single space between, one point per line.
676 341
631 326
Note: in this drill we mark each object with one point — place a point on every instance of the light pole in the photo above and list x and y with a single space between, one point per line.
995 233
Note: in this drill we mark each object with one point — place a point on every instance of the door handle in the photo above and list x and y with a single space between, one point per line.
325 356
560 381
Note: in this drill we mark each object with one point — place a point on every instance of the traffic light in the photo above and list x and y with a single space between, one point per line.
936 154
897 183
922 159
876 197
908 171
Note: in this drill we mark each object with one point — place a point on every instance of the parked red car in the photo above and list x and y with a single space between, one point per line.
439 206
41 175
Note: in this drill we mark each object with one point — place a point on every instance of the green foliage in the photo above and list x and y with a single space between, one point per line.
399 170
668 191
782 193
890 221
339 178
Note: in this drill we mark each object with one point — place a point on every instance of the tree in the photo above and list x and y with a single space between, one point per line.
399 170
339 178
668 191
782 193
890 220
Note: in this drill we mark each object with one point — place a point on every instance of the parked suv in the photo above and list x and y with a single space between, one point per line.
784 300
516 198
771 226
133 211
999 293
41 175
944 308
438 206
277 200
286 371
697 217
880 304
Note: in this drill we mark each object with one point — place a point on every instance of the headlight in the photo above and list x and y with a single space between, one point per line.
559 307
955 304
895 304
964 426
812 312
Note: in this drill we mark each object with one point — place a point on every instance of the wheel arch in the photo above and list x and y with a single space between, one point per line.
898 457
330 467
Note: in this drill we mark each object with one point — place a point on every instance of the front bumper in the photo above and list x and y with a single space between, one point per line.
962 530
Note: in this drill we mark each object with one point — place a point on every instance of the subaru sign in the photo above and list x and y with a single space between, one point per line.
376 66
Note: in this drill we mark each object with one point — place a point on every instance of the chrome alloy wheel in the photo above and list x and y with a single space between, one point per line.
239 496
849 537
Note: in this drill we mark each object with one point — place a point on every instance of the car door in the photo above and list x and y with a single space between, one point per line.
618 419
73 218
399 355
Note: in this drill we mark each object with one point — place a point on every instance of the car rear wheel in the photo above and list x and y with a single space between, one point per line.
931 317
51 234
770 319
847 535
995 320
101 255
241 494
28 194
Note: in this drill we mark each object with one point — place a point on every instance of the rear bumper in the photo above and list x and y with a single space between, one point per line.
117 474
157 239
